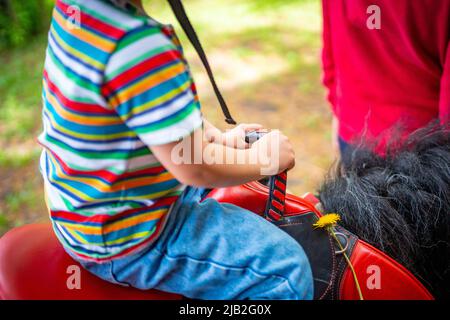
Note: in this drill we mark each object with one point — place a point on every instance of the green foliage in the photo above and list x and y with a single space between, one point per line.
276 4
26 197
20 20
20 92
4 223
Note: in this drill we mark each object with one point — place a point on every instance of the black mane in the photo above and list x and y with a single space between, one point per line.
400 202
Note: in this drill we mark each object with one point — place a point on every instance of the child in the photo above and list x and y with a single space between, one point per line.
118 98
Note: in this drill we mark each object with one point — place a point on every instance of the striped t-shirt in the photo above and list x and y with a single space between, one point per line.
115 83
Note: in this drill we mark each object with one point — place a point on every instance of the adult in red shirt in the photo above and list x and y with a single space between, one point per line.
386 65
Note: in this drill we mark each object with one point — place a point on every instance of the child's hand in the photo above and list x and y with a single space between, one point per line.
276 152
235 138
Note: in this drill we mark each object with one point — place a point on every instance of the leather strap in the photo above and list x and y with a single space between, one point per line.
183 20
318 247
277 197
341 263
327 266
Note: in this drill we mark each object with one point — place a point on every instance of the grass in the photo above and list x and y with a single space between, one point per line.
20 108
265 54
20 84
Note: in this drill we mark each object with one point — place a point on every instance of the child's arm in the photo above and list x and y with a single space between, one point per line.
213 172
148 84
234 138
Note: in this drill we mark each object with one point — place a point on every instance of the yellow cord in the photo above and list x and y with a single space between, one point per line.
327 222
349 264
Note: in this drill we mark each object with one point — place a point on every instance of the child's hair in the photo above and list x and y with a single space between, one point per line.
400 202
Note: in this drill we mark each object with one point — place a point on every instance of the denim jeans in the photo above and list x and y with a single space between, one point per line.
346 150
212 250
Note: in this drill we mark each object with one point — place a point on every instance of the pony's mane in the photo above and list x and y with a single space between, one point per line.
400 202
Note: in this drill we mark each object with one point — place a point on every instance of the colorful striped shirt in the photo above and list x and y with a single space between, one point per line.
115 84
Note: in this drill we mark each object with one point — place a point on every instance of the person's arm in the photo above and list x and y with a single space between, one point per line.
198 162
329 73
328 66
444 100
211 132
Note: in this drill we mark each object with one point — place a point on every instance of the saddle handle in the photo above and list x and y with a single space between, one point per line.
275 206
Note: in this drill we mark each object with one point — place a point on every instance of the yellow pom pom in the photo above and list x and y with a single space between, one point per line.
327 220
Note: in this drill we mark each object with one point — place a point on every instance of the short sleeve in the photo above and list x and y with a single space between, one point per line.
148 84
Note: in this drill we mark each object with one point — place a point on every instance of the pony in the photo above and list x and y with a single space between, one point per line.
399 202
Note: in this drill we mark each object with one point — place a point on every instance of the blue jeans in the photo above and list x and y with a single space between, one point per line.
346 150
212 250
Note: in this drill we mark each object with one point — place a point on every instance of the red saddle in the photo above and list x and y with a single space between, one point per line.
33 264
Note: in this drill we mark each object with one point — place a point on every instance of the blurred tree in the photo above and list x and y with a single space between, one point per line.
20 20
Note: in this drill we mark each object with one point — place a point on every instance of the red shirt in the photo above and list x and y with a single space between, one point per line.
398 74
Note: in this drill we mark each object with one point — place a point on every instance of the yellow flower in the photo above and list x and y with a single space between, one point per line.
327 221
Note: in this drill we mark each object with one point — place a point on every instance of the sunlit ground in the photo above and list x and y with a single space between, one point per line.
266 57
